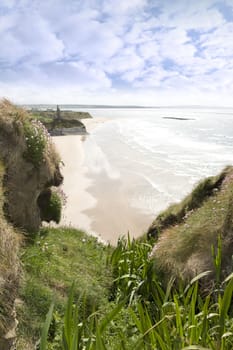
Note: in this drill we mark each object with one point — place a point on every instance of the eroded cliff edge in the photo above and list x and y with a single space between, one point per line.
190 234
29 171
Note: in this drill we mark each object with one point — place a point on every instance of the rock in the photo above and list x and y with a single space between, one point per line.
26 174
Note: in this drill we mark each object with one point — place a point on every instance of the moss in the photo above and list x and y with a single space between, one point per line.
50 205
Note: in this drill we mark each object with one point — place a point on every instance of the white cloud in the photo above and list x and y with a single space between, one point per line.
96 44
76 73
219 43
28 37
123 7
126 60
102 46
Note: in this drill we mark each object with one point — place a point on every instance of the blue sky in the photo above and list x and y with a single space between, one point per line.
145 52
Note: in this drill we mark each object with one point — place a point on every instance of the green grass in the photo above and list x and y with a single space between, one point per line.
177 213
49 115
137 312
51 263
176 317
9 264
184 249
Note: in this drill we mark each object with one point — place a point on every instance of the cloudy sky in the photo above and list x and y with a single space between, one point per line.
147 52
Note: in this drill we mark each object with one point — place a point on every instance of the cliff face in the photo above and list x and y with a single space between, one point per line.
62 122
29 166
32 166
65 127
188 232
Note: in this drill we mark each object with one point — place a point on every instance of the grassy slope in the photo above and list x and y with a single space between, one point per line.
184 248
56 259
153 317
9 264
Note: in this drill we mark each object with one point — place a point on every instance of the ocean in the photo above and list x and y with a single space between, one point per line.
152 157
165 157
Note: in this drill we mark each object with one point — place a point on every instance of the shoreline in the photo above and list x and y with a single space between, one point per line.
96 201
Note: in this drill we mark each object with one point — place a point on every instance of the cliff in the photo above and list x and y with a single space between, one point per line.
29 170
60 127
188 232
61 122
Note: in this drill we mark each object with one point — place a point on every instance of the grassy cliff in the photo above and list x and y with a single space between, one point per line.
172 294
61 122
140 294
188 231
9 270
29 168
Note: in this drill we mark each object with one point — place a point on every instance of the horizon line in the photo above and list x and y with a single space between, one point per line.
121 106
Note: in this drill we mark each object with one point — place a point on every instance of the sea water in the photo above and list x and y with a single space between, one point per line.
160 153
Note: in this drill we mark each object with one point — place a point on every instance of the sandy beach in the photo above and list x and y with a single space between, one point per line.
96 201
75 182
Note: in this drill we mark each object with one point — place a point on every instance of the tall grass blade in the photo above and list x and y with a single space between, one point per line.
225 304
195 347
45 329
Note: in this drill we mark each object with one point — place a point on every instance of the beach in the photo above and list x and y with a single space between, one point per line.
96 200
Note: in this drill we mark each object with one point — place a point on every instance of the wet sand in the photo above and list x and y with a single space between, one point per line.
96 202
113 216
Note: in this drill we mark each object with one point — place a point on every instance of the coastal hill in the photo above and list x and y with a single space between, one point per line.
61 122
188 233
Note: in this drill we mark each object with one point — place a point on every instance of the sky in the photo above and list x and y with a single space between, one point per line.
122 52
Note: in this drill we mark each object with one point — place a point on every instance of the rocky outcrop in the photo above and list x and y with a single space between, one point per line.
65 127
62 122
29 166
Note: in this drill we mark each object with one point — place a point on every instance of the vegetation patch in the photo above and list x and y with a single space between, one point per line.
177 316
50 204
184 249
176 213
9 265
36 138
51 263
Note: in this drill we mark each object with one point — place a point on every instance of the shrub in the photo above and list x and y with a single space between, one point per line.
50 204
36 138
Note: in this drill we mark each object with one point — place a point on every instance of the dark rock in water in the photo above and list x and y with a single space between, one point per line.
178 118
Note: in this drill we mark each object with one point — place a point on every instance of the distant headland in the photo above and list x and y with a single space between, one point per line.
61 122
